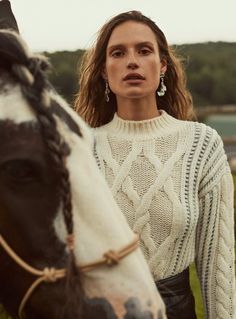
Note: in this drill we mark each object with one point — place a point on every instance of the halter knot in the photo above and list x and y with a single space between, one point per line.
70 241
112 258
50 274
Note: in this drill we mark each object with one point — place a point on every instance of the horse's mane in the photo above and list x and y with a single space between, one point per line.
22 67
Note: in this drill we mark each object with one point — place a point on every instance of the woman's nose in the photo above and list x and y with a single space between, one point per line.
132 65
132 62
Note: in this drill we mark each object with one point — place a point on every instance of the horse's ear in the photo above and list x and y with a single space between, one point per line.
7 18
7 22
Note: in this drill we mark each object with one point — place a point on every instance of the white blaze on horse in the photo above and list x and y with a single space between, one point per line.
66 250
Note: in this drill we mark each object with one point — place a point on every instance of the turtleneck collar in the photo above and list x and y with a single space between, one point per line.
164 124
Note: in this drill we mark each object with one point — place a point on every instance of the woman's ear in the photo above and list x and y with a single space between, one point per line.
104 73
163 66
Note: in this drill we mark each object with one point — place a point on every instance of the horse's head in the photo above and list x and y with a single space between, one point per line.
56 211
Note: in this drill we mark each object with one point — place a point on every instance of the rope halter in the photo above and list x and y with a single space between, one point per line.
51 275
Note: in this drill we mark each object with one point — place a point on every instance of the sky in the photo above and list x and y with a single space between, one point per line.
55 25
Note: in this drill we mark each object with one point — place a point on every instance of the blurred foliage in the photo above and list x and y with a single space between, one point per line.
210 69
64 72
211 72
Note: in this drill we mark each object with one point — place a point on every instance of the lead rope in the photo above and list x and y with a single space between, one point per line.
109 258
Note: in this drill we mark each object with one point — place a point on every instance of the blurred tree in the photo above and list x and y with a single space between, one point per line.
65 72
210 68
211 72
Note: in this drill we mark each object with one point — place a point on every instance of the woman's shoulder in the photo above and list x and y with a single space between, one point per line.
203 139
100 129
203 131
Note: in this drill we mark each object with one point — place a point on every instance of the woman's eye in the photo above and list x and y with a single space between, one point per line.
20 171
145 51
117 53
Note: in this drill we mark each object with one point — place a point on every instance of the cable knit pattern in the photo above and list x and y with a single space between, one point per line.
172 181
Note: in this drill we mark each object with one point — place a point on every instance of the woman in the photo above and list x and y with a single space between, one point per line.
169 175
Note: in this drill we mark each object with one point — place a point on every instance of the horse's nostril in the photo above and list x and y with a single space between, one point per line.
98 308
134 310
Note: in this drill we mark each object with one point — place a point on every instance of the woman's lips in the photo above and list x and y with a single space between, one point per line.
133 77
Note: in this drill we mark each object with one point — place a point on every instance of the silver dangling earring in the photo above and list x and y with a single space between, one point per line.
107 91
163 88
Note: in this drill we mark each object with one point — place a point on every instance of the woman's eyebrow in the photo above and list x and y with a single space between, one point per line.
116 46
122 46
145 43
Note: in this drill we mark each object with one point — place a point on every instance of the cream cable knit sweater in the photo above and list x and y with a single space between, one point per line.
172 181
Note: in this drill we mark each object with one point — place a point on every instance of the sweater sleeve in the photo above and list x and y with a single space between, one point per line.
215 236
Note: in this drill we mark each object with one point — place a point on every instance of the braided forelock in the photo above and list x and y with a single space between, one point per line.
29 71
11 49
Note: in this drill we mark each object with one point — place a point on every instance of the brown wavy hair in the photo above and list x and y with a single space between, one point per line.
90 102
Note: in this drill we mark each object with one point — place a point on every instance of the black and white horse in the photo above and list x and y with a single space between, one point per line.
58 219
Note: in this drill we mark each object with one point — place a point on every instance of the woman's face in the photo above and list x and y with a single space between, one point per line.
133 64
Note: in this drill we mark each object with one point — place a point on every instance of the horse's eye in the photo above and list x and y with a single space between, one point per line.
20 171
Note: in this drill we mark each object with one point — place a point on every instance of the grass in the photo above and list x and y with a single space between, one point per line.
195 285
3 315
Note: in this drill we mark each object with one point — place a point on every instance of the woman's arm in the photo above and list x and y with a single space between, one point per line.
215 236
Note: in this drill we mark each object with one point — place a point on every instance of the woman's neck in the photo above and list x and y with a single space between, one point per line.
162 125
137 109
